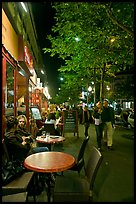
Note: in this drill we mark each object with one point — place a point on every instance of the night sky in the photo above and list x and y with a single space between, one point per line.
43 17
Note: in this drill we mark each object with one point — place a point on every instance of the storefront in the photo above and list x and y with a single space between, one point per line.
18 75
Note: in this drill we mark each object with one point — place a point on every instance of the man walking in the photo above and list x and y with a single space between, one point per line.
108 121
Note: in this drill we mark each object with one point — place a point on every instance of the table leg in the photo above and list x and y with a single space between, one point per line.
49 187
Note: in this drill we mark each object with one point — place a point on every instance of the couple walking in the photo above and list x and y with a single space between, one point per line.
104 120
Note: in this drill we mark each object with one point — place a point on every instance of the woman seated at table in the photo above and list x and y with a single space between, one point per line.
51 119
40 123
18 146
21 128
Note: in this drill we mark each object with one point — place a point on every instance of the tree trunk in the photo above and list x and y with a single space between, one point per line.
94 86
102 94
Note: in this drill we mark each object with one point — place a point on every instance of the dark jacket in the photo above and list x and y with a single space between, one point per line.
96 114
107 115
22 131
87 116
51 116
15 148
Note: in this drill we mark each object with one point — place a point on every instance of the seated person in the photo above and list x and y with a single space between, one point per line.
18 146
21 126
40 123
53 130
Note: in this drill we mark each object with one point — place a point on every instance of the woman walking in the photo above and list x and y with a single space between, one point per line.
98 123
86 120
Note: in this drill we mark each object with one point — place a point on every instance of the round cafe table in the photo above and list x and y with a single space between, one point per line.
52 139
49 162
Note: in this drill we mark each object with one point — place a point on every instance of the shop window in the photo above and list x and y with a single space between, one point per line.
9 92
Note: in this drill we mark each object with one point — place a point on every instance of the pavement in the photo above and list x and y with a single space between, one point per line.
115 178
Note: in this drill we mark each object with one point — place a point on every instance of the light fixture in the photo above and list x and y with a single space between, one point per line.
24 7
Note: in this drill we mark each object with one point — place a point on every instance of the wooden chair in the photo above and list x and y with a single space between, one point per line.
18 189
78 189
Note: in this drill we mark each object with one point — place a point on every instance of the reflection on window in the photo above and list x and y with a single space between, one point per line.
9 89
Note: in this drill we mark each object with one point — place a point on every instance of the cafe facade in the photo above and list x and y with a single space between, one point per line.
19 78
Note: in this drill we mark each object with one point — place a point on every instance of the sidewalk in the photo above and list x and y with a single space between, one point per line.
115 178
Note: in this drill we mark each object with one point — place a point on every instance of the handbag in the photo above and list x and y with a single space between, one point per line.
11 170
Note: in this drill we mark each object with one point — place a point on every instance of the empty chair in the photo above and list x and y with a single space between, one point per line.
75 188
80 159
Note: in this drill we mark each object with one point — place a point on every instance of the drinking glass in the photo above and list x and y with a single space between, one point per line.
43 133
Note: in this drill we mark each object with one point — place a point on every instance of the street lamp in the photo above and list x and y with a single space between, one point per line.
89 88
61 78
107 87
77 39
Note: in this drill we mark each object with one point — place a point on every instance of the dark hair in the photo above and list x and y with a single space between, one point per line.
11 121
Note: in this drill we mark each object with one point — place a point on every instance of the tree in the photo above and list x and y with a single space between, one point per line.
92 36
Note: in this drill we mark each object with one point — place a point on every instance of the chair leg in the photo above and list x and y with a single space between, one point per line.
27 198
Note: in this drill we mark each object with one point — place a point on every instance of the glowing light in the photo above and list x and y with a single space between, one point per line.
77 39
90 88
108 88
24 7
42 71
61 78
112 39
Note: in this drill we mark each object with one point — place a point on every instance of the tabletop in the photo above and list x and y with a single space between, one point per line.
51 139
49 162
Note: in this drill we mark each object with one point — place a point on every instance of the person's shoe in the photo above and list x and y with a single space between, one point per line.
110 147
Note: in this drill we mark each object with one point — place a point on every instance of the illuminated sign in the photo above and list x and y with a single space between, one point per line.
28 57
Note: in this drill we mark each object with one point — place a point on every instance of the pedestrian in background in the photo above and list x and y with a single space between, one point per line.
108 121
86 119
98 123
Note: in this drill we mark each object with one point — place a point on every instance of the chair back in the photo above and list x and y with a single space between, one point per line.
82 148
49 128
92 166
80 158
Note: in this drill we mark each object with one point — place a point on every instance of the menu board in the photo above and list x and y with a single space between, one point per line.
35 112
70 120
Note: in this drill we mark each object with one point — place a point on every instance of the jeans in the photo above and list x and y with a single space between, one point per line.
99 132
86 128
39 149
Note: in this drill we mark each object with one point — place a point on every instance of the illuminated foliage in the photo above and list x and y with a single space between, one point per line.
92 35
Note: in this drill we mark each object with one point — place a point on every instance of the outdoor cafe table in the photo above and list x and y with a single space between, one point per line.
49 162
52 139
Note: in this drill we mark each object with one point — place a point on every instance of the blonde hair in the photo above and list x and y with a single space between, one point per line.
22 116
